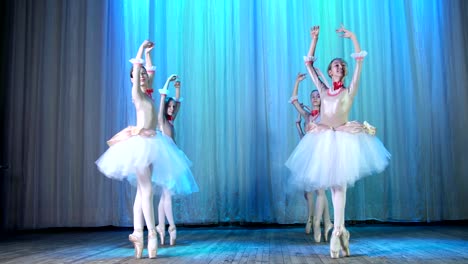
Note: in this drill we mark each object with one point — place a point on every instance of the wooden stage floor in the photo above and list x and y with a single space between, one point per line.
375 243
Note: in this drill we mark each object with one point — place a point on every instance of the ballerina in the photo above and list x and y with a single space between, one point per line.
347 151
168 109
312 115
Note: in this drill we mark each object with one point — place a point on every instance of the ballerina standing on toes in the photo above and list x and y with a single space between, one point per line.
321 204
176 184
335 153
125 157
142 155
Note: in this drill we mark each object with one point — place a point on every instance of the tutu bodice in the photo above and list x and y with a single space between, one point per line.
334 109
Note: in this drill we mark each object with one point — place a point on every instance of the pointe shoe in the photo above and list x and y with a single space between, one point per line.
160 231
152 244
335 245
317 231
339 240
137 244
308 225
172 235
326 231
344 241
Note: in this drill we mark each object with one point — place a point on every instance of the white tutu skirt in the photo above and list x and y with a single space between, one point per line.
170 166
335 158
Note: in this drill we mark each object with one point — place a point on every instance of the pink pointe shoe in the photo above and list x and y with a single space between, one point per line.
152 244
172 235
317 231
339 241
328 227
308 225
161 232
344 241
137 244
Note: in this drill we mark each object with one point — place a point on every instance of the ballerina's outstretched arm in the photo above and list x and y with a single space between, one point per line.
137 93
150 68
300 77
309 61
300 132
358 55
163 93
177 98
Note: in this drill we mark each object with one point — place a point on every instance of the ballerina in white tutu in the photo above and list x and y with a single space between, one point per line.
144 156
128 155
185 183
321 204
347 151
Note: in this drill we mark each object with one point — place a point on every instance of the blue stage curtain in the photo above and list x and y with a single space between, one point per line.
67 90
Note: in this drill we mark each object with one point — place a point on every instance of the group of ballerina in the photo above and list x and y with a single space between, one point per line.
333 153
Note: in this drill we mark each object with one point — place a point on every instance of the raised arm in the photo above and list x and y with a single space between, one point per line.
309 59
300 77
137 94
163 93
150 68
358 55
177 99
